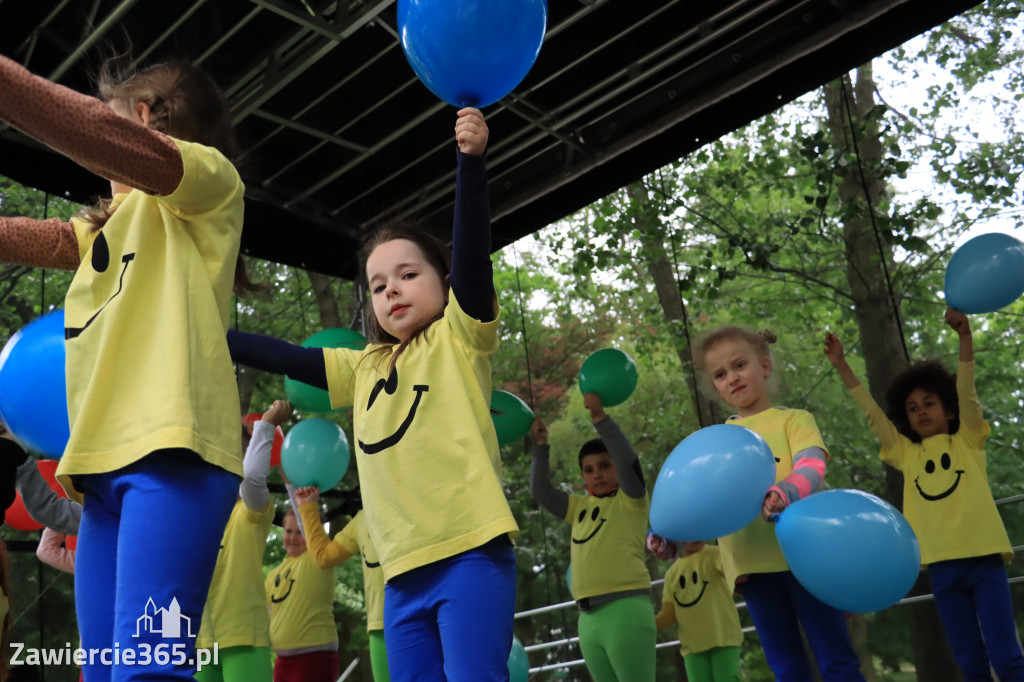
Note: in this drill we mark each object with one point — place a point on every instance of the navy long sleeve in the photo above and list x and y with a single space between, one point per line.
280 357
471 276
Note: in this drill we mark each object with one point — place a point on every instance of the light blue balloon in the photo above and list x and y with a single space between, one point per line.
712 485
850 549
33 387
985 274
471 53
518 662
315 452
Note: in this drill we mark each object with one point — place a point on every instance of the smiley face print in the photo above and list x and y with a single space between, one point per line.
934 478
100 262
593 519
389 387
276 597
684 596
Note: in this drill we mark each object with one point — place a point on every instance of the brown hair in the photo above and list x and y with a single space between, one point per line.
437 255
291 513
184 103
758 340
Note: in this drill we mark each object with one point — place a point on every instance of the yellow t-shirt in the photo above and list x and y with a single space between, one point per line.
946 496
697 591
753 548
425 444
607 548
355 538
146 318
236 609
300 595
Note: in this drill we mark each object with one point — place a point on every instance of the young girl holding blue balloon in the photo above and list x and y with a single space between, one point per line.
426 449
738 363
154 445
609 579
935 434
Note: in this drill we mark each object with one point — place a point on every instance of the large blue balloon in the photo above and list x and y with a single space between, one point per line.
471 53
850 549
985 274
712 485
33 387
315 452
518 662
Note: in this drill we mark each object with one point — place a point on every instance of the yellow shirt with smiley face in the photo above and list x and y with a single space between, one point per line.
355 538
427 453
699 598
946 496
607 549
300 596
146 318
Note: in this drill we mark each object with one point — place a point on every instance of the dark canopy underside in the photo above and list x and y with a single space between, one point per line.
341 135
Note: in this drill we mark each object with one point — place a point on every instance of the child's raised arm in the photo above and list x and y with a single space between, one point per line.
277 356
834 353
878 422
256 463
555 501
471 276
627 464
325 552
971 417
89 132
39 243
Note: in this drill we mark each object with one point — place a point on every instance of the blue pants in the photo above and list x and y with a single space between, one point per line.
779 605
973 598
147 545
452 620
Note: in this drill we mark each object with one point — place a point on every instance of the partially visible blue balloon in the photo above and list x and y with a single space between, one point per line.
315 452
985 274
712 485
471 53
33 387
850 549
518 662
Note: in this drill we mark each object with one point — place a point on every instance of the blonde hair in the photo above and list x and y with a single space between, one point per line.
760 341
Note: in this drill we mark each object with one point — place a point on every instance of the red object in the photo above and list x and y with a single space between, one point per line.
17 516
275 449
71 542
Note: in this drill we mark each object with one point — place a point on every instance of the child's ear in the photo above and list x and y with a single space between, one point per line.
766 364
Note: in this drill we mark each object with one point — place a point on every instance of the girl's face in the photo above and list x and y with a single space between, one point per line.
293 541
926 414
739 375
406 290
599 473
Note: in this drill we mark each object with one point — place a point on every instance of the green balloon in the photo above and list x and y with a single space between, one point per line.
310 398
512 417
518 662
609 373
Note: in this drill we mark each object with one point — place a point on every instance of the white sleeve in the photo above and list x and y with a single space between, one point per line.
256 466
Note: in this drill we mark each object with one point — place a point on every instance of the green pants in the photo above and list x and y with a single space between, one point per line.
617 640
721 664
378 657
239 664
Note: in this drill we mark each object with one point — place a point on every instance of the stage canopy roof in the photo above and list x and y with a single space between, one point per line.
339 134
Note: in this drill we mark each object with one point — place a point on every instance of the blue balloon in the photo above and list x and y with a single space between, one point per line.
985 274
850 549
518 662
315 452
33 387
471 53
712 485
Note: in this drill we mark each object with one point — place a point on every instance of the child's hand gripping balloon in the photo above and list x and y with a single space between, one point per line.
309 493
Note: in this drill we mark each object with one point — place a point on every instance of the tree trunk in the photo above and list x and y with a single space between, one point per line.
666 284
326 300
869 260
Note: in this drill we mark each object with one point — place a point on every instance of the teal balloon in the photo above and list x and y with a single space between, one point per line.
315 452
850 549
511 416
518 662
568 579
609 373
310 398
985 274
712 484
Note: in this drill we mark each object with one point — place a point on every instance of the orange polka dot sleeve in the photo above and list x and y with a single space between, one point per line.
88 132
39 243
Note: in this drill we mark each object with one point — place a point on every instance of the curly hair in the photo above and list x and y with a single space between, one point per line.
930 376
